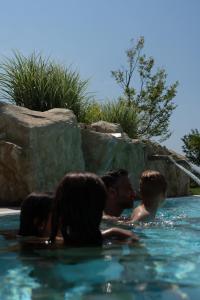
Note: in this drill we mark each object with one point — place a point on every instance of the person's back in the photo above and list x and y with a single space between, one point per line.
153 192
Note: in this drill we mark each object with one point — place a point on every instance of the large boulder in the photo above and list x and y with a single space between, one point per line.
106 127
36 150
103 152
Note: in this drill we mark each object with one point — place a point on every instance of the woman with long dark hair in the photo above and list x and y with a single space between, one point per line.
79 202
77 212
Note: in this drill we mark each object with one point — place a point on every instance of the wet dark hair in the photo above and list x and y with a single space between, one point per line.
112 177
35 210
152 183
79 202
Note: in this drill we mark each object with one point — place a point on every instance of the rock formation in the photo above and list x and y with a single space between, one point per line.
38 148
103 151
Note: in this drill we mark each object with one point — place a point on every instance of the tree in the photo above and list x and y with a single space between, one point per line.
152 99
191 146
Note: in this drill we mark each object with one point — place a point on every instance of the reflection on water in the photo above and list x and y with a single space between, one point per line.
164 265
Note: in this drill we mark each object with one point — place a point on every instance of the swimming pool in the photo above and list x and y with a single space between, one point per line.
164 265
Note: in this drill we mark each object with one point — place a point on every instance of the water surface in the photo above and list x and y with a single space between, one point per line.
164 265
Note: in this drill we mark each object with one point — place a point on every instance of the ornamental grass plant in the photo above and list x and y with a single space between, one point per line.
40 84
118 111
121 112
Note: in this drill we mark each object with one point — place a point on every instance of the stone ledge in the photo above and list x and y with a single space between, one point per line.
9 211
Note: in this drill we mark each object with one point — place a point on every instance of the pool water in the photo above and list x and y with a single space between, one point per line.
164 265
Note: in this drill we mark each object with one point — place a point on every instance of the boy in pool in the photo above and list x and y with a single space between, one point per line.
153 192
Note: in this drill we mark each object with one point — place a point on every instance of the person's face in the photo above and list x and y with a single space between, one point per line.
124 192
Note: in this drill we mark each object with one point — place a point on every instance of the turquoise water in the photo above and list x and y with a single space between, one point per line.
164 265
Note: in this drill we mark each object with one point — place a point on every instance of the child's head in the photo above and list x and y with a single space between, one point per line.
35 212
152 187
79 202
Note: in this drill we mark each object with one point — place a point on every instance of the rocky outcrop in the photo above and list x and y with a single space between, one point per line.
36 150
178 182
106 127
103 152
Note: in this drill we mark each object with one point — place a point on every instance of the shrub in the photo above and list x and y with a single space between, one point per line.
40 84
121 112
114 112
92 112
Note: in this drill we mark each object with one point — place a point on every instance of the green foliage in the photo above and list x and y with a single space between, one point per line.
191 146
152 100
40 84
113 112
92 112
195 191
120 112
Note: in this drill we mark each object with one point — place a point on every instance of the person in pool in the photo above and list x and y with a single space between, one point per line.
35 215
79 202
153 188
120 193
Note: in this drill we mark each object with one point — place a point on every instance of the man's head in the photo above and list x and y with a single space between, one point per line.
153 187
119 190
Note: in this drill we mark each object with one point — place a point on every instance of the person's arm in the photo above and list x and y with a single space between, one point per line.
119 233
115 219
109 218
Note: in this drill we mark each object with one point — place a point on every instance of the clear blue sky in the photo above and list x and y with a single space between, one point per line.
92 35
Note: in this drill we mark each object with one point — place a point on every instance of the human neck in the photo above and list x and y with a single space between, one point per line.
151 208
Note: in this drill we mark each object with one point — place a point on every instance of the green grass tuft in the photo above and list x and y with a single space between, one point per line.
40 84
195 190
114 112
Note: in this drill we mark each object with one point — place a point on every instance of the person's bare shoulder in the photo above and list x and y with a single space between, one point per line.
139 214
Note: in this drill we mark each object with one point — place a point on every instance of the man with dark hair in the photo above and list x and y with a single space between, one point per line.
120 194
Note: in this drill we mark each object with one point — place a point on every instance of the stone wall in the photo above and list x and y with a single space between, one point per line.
178 182
38 148
103 152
